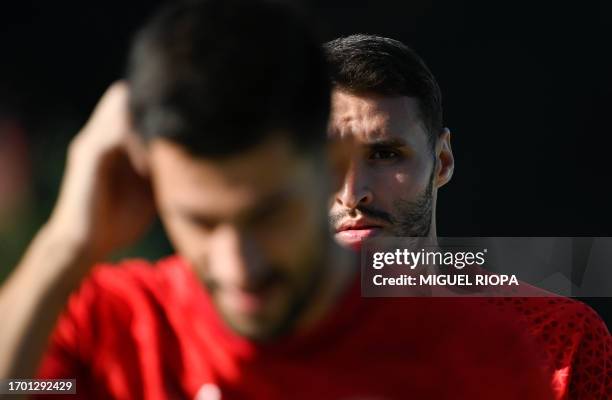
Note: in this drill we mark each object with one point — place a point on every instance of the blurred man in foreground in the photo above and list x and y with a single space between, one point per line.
225 138
388 103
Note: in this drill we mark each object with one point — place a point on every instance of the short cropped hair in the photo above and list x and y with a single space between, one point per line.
374 64
220 76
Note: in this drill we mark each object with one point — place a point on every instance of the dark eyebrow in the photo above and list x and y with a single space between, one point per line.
199 219
393 142
266 205
263 206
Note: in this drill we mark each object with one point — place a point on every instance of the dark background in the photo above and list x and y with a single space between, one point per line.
527 92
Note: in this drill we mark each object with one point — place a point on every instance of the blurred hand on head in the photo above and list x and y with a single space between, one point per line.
105 201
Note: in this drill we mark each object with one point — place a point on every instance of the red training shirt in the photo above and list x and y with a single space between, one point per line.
137 331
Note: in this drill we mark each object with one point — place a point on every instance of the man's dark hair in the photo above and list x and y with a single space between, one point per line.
387 67
220 76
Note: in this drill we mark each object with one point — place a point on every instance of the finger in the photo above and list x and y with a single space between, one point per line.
109 122
136 149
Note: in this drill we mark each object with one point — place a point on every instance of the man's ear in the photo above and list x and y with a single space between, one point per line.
445 161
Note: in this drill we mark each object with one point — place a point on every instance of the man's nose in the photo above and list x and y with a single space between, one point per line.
237 261
355 190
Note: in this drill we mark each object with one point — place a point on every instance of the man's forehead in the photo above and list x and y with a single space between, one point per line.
264 171
371 117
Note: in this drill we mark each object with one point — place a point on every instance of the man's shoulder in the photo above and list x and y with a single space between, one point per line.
575 338
135 271
131 279
117 313
117 294
553 312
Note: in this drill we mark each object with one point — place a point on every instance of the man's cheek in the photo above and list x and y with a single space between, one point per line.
408 185
282 250
386 187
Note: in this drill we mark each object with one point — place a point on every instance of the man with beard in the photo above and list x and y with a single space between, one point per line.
221 130
388 104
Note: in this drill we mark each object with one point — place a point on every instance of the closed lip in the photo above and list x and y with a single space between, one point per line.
357 225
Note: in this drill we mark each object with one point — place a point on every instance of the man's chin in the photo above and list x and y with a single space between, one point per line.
257 320
251 330
253 326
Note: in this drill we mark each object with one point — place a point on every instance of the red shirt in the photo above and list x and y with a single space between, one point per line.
137 331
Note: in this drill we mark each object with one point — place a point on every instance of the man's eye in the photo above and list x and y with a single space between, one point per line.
383 155
203 224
